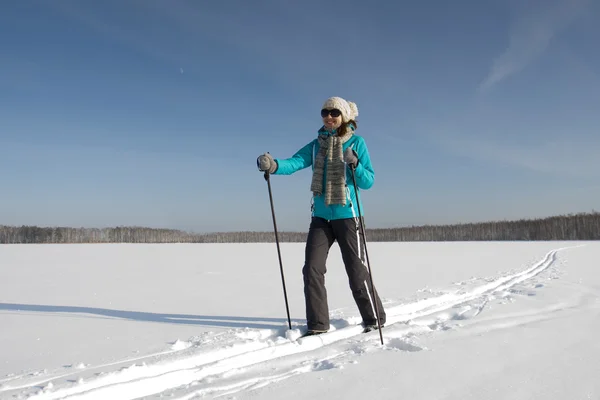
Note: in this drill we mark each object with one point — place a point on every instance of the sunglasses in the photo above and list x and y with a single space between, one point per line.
334 113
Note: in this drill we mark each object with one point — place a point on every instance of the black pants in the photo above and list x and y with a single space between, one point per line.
321 236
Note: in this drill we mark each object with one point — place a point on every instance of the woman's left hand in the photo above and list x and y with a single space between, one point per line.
351 158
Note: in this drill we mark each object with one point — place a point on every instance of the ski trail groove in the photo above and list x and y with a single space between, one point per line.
145 380
4 386
407 312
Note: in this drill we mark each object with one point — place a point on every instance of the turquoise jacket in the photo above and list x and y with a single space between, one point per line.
364 174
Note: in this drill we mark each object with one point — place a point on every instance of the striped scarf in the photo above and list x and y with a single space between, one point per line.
331 148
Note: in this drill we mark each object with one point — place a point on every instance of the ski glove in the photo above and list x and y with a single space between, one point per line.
351 158
266 163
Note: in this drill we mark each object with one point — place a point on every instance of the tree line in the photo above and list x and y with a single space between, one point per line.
583 226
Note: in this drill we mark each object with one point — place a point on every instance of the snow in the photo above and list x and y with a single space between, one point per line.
466 320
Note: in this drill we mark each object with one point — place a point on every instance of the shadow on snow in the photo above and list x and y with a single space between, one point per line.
185 319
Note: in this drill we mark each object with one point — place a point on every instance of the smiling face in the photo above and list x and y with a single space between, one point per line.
332 118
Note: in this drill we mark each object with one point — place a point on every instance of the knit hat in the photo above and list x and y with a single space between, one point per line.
349 109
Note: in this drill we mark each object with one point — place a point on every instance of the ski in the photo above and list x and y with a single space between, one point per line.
333 335
370 328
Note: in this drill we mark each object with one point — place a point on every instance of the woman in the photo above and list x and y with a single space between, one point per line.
332 154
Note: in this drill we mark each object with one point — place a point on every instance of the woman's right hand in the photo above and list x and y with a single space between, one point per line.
266 163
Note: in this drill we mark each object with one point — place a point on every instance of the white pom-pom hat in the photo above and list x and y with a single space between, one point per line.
349 109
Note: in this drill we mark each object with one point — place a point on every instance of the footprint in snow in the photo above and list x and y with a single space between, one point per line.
403 345
325 365
522 292
439 326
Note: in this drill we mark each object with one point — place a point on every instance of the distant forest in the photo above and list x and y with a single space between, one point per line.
584 226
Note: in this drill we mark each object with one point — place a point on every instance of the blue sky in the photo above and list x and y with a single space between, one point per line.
152 113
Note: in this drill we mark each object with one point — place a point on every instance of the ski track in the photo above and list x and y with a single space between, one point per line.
225 363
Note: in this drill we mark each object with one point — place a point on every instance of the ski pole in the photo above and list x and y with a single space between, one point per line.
364 237
287 308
